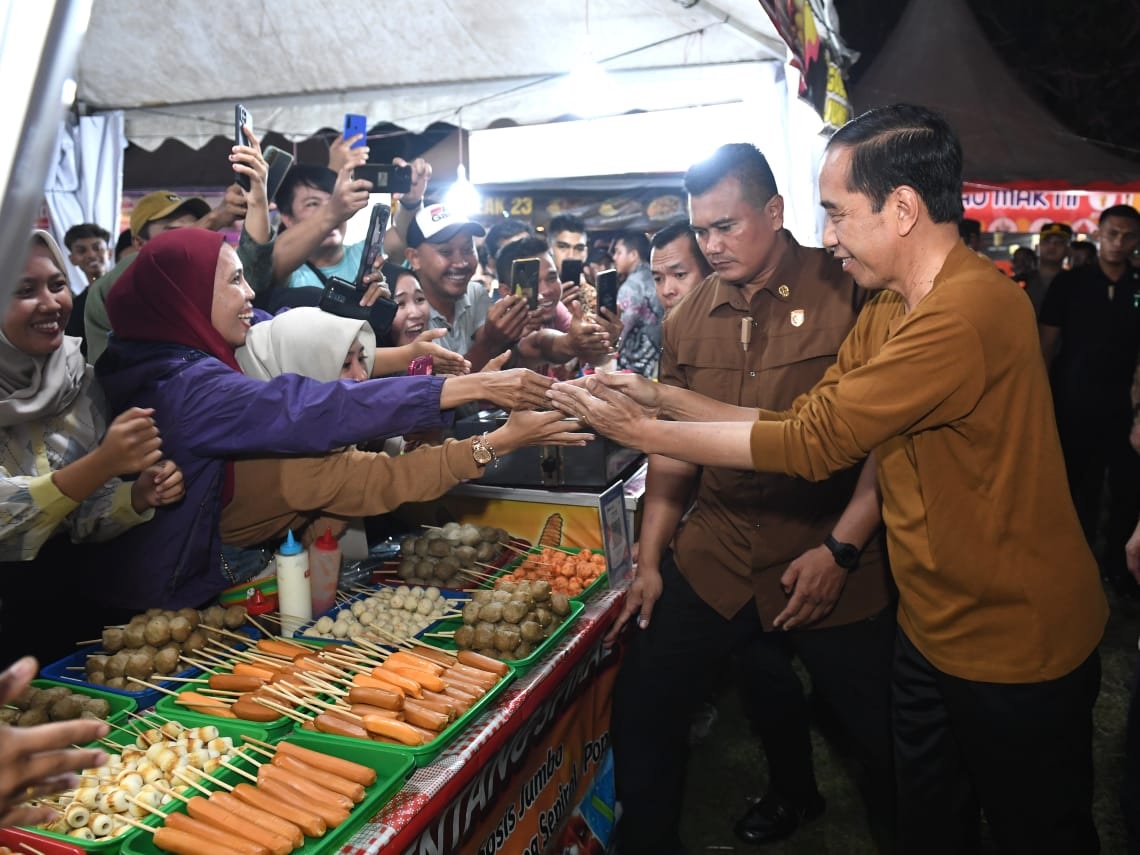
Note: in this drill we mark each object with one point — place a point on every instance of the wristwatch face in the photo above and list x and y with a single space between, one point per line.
480 452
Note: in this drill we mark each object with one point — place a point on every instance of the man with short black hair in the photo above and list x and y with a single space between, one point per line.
1090 337
676 262
748 576
641 312
498 236
1000 612
1082 252
554 335
87 249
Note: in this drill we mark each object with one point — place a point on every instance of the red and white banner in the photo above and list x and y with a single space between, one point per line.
1026 211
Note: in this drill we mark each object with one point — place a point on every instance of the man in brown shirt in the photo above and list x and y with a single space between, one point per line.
750 560
1000 605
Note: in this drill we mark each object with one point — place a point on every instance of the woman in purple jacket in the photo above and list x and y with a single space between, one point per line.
178 314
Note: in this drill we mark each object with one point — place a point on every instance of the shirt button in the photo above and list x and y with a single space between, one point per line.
751 373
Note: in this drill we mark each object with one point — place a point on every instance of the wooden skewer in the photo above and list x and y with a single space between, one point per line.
258 745
131 821
257 624
209 777
222 631
88 641
206 690
152 686
435 647
242 772
184 680
75 668
145 806
186 779
393 638
285 711
438 634
123 729
169 791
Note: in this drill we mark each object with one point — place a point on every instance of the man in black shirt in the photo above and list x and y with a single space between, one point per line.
1090 336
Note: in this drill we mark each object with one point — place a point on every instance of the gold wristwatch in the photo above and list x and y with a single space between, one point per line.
481 450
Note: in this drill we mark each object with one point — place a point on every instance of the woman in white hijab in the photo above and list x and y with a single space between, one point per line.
59 461
308 494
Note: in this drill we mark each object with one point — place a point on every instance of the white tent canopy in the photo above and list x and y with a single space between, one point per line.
178 67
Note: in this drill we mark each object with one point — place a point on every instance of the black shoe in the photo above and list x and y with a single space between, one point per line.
774 818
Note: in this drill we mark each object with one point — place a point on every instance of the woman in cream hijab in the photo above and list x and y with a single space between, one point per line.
308 494
59 461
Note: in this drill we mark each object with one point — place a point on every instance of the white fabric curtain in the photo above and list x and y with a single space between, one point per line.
85 181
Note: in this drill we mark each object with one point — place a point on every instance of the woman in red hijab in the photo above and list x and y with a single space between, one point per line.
178 313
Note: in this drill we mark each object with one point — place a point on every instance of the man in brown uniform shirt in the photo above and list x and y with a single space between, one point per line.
750 560
1000 604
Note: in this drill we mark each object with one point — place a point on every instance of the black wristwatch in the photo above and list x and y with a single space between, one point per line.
846 554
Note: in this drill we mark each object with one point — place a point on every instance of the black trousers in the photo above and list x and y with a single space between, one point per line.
668 670
1130 786
1098 454
1020 752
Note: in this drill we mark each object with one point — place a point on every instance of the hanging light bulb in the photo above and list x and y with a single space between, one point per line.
462 197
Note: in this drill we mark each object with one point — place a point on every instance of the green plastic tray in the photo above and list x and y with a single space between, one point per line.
520 665
391 772
120 705
123 737
421 755
587 592
168 706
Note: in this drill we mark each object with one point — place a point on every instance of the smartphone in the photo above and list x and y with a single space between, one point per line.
607 285
524 280
381 315
355 124
279 164
373 241
386 177
242 118
343 299
571 271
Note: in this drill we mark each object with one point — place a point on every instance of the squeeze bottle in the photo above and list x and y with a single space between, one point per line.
293 594
324 571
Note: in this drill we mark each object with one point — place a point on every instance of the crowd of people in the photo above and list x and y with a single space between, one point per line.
883 457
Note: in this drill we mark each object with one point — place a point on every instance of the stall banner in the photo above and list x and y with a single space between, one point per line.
1026 211
561 805
547 784
821 78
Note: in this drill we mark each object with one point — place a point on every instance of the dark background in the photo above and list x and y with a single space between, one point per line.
1080 60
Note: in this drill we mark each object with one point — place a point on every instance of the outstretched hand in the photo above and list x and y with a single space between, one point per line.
36 762
607 409
444 362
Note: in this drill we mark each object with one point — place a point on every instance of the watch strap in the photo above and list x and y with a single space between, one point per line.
846 555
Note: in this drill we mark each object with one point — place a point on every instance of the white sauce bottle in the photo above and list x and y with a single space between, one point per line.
293 591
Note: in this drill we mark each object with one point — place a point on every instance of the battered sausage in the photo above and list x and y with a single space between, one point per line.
207 838
482 663
320 777
382 698
270 822
332 816
214 814
345 768
398 731
308 821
